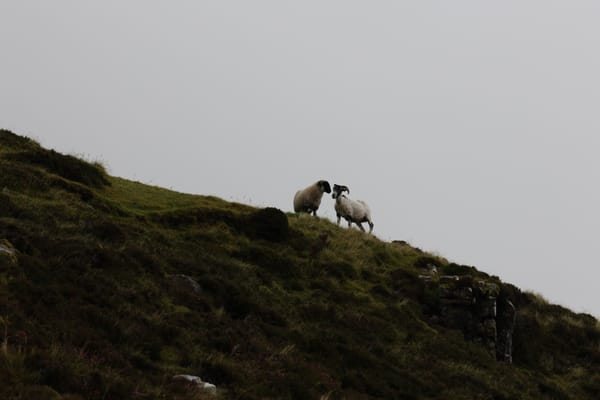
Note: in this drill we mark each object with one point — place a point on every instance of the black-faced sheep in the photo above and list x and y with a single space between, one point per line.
356 211
309 199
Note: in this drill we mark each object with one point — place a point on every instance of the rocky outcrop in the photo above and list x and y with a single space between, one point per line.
472 305
507 317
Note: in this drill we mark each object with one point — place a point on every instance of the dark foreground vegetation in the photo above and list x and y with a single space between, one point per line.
109 288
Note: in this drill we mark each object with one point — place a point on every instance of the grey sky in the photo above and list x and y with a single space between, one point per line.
470 127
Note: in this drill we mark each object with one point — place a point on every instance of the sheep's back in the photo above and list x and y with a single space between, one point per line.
298 201
343 206
367 210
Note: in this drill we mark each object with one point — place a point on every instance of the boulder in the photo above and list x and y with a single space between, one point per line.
7 251
195 383
185 284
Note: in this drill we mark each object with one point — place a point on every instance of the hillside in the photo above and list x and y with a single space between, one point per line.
109 288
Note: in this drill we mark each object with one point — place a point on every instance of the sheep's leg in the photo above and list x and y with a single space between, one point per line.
360 226
339 217
349 224
370 226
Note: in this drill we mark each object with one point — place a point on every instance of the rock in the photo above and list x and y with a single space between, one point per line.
209 388
7 250
186 284
506 326
472 307
195 383
449 278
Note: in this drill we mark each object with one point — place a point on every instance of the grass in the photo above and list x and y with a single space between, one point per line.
283 306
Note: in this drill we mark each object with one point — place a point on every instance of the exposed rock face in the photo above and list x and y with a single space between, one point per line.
471 305
507 317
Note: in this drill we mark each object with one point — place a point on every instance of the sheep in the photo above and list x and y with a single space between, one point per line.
356 211
309 199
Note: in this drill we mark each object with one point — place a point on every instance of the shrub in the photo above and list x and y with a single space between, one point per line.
219 370
8 208
267 223
425 262
107 230
456 269
269 258
407 283
40 393
21 177
337 269
593 385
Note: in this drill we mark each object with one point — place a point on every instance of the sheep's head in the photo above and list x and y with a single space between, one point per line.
324 186
338 190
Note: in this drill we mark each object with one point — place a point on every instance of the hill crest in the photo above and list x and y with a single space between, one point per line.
109 288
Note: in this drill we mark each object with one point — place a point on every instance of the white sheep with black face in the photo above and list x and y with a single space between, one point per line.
356 211
309 199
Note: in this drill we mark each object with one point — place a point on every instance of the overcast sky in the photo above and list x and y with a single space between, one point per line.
470 127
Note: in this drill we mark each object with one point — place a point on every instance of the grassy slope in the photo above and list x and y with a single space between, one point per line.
93 306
